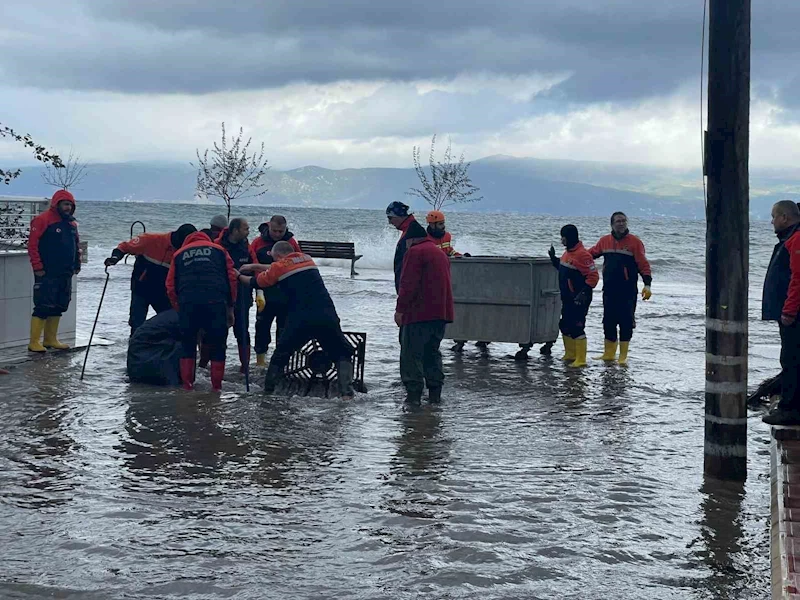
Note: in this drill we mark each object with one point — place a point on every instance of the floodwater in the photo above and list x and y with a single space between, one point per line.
529 481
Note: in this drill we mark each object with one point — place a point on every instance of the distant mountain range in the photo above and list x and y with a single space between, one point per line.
508 184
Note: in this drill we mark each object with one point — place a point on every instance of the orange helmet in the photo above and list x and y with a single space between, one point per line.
435 216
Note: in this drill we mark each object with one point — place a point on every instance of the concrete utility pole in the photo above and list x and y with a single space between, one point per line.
727 238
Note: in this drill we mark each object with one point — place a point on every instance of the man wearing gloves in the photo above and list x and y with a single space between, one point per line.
271 302
577 277
153 252
311 314
623 261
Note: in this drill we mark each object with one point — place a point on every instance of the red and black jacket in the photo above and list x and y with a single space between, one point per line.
53 246
623 261
241 255
298 278
262 245
153 252
201 273
576 273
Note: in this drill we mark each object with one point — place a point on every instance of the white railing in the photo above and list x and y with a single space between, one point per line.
16 213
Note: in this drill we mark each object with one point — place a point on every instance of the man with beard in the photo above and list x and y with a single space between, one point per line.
271 301
55 257
623 261
781 302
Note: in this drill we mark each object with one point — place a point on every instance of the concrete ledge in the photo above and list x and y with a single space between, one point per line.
785 512
19 354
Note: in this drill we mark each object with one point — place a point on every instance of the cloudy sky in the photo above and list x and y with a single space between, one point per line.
353 83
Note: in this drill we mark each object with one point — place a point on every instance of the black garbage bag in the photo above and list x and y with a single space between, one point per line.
154 351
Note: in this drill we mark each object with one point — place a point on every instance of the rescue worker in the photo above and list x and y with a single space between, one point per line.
311 314
781 302
623 261
271 302
577 277
53 248
218 223
424 308
399 217
153 252
438 233
234 240
202 287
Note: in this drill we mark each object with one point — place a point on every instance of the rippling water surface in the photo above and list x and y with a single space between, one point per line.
529 481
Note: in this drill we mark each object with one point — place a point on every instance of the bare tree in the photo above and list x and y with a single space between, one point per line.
231 172
39 152
67 176
448 183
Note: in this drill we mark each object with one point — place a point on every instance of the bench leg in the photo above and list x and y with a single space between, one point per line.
353 269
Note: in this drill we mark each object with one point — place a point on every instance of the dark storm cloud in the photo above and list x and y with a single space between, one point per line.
615 50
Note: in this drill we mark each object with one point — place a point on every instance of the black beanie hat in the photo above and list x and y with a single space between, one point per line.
179 236
570 233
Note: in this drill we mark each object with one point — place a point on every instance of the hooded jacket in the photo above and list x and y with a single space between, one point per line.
201 273
576 273
53 246
262 245
426 292
783 277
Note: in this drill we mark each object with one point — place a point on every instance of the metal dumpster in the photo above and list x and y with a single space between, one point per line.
504 299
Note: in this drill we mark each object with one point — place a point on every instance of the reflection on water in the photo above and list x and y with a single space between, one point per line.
530 480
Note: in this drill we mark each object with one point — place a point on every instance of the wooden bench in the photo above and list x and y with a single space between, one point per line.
342 250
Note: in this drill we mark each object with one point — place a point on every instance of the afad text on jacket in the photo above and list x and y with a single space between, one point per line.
201 273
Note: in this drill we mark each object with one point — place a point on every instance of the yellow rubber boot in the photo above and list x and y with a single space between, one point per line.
580 353
623 353
37 327
609 351
261 360
51 334
569 348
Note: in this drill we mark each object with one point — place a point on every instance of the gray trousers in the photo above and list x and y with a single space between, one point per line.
420 359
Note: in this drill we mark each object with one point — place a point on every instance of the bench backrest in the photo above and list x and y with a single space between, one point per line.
328 249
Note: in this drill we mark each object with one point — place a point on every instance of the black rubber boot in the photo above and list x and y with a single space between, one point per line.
344 373
435 395
414 396
271 379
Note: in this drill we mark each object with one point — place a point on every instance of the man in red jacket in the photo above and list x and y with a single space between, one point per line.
202 286
424 307
624 261
55 258
153 252
781 302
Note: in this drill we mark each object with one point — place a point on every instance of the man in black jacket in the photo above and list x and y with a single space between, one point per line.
234 239
780 303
